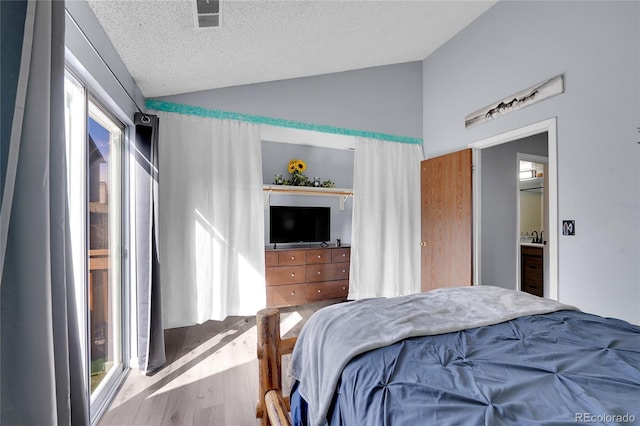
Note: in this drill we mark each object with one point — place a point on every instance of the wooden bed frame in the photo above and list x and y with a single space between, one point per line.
273 408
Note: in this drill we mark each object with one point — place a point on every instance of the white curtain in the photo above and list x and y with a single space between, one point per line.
385 244
211 219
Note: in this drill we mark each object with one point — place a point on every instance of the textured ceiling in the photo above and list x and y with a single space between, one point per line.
263 40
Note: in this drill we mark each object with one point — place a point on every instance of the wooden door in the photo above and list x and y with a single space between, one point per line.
446 216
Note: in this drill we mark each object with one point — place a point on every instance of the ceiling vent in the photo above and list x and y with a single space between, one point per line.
208 13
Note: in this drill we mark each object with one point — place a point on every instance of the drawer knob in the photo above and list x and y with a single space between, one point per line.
318 272
344 255
344 270
319 291
344 288
293 293
319 256
293 257
293 274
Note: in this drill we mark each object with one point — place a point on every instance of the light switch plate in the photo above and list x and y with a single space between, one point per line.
568 227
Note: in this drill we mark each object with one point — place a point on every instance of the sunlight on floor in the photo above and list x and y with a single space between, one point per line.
211 375
231 355
291 320
240 351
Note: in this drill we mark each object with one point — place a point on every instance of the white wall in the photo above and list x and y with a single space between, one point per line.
596 46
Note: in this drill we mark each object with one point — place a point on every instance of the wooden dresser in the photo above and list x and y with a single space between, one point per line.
302 275
531 279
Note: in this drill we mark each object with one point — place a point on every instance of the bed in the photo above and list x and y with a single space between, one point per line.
470 355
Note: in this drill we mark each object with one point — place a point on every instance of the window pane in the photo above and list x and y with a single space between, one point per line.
104 194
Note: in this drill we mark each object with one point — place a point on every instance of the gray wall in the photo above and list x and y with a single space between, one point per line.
326 163
499 214
515 45
385 99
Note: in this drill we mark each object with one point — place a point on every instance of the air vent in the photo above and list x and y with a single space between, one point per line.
208 13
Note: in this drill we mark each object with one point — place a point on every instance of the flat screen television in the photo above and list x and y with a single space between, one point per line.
294 224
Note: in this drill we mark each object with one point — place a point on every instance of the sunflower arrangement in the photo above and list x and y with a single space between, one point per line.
297 166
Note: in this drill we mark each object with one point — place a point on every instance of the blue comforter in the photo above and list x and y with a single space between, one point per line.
556 368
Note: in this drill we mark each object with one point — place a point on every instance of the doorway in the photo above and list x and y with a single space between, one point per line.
497 234
533 216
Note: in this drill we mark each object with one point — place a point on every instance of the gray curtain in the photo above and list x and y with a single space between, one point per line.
151 354
41 370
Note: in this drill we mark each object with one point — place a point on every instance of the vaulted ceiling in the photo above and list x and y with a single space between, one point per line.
265 40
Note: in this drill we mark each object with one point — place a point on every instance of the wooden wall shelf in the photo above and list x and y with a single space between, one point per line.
341 193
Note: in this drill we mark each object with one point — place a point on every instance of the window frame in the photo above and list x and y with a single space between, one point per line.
101 402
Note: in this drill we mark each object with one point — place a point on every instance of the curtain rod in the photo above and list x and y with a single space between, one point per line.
165 106
113 74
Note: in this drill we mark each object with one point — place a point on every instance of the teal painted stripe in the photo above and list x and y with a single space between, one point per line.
159 105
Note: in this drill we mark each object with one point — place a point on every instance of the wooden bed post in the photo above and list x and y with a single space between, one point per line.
273 407
268 323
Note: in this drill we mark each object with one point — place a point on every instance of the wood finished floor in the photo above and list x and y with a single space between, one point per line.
210 378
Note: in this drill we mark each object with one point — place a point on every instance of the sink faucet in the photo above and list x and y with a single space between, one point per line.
541 240
535 239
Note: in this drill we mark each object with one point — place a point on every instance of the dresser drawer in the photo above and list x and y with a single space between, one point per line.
285 275
532 267
318 256
340 255
286 295
532 276
291 257
295 276
327 272
532 263
533 287
270 258
328 290
531 251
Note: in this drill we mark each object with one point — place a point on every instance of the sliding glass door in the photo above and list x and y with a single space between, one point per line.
105 242
95 142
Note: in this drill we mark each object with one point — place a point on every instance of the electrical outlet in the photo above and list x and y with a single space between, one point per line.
568 227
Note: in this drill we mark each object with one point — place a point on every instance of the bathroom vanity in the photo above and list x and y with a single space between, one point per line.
531 269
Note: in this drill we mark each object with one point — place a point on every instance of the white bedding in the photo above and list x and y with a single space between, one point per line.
337 333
